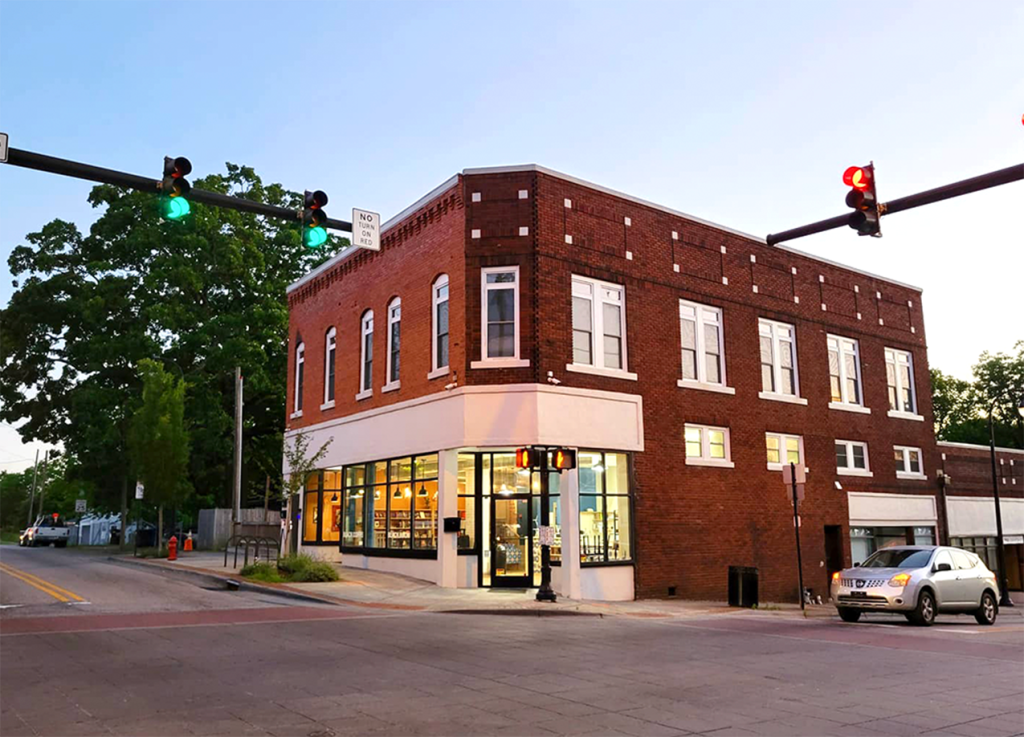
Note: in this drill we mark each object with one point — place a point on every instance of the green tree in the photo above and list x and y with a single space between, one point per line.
954 401
201 296
158 439
299 465
14 494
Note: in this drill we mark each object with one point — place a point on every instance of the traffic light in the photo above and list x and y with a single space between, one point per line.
863 199
174 187
527 458
563 459
314 219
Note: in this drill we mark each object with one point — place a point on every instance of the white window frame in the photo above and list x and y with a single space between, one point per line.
906 473
774 329
330 346
435 302
699 318
842 349
365 329
598 300
892 358
849 469
300 370
486 361
782 436
394 316
705 459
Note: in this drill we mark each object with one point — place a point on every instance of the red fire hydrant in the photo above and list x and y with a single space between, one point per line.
172 548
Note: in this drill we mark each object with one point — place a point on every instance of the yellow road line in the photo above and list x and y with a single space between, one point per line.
43 585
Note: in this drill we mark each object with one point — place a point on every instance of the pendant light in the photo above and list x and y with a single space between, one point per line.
422 492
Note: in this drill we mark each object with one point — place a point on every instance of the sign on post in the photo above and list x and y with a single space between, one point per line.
80 506
365 229
3 148
787 481
139 489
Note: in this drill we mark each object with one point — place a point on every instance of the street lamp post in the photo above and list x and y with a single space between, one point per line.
1004 593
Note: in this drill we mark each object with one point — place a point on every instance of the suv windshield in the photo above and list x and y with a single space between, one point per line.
890 558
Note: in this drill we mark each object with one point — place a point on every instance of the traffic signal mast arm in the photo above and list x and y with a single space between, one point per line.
1013 173
53 165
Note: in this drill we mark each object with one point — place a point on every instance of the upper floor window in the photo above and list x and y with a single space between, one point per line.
366 359
703 353
783 449
439 341
707 446
899 373
300 373
330 348
852 458
500 313
908 462
598 326
844 370
394 340
778 358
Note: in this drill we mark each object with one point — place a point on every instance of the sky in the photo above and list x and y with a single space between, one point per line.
742 113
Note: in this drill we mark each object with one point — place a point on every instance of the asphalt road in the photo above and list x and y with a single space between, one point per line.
155 655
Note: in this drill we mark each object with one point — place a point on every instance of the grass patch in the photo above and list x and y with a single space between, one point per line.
291 569
8 537
265 572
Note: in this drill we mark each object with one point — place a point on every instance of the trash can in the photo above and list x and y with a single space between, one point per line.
742 586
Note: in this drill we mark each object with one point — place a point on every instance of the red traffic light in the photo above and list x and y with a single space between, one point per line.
857 177
527 458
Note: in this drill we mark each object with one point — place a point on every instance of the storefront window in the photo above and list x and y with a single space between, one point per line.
330 520
467 501
983 547
353 534
425 519
310 516
605 532
924 536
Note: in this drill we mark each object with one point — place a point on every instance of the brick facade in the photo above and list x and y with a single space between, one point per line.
690 522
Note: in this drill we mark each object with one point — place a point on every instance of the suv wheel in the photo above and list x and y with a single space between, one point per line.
986 613
849 615
924 613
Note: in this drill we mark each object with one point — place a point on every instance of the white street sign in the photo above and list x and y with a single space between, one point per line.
1013 539
3 148
139 488
366 229
80 505
787 475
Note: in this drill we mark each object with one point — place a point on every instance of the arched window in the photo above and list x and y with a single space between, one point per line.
394 340
439 339
330 350
300 372
366 359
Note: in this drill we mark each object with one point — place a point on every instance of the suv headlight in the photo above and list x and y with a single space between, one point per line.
900 580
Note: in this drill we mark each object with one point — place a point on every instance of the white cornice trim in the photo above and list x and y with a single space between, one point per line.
972 446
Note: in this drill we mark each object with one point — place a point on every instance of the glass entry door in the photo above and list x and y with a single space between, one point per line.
511 533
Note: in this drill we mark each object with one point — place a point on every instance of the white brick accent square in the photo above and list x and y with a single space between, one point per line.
881 321
755 289
524 194
910 304
792 270
878 295
675 268
629 255
568 203
476 197
824 307
725 280
627 221
568 239
858 316
474 233
523 230
753 259
856 289
796 299
675 235
913 329
723 249
821 278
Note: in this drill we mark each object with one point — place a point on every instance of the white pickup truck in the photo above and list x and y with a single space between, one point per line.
47 529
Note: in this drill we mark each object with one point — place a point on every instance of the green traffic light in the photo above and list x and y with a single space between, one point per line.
315 237
175 208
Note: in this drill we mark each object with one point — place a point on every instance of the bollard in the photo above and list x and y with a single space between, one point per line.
172 548
188 542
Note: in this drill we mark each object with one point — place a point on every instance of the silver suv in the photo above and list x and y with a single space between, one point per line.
918 581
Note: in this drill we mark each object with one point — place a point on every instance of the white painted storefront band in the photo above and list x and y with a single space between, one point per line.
891 510
976 515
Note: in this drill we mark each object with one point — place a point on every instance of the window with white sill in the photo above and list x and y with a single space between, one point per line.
783 449
908 461
366 358
844 370
899 373
598 324
703 353
500 314
330 349
778 358
439 334
300 374
394 340
852 457
707 445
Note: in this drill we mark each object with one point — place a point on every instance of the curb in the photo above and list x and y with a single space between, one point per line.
220 581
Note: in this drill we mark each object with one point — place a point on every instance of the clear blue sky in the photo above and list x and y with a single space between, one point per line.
741 113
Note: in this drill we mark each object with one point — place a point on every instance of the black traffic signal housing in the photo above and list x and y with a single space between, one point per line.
314 219
561 459
863 198
528 458
174 187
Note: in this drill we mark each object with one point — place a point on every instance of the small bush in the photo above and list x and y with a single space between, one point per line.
315 571
293 564
263 571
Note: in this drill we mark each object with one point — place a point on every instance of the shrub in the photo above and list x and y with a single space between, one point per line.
315 571
292 564
262 571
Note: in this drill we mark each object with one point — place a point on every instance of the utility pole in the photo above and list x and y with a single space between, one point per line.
42 482
32 496
237 505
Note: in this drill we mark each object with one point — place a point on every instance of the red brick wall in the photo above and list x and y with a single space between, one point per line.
970 469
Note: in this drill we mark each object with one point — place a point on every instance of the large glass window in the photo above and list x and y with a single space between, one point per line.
778 358
330 348
707 446
330 519
440 316
467 501
605 531
311 508
783 449
300 374
366 362
852 458
844 370
700 328
899 374
598 324
500 313
908 462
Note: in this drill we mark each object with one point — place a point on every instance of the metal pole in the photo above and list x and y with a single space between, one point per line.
545 592
32 496
1004 593
796 526
237 504
42 481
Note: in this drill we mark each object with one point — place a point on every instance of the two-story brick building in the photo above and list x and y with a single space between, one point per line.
686 361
